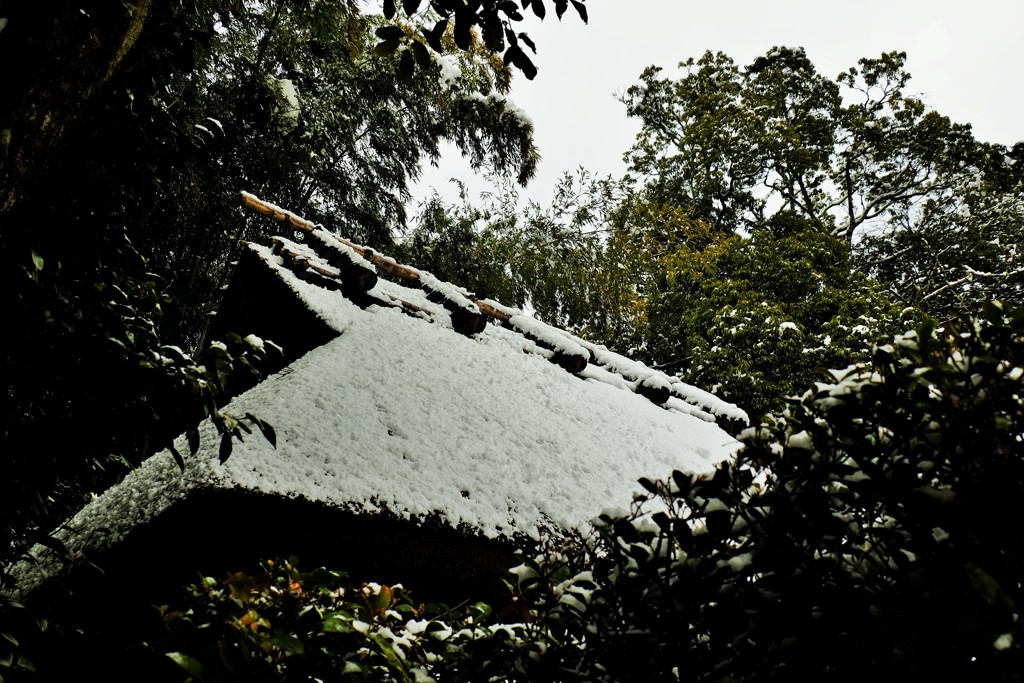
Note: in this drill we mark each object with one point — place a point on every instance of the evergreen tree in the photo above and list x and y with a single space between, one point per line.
960 248
735 145
758 318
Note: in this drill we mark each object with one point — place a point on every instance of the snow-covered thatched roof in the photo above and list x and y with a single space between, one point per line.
499 432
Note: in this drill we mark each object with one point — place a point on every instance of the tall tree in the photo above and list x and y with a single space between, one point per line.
296 104
833 180
554 259
784 222
736 145
759 318
959 248
82 47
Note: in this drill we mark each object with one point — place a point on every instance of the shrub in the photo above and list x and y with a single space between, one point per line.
865 530
282 624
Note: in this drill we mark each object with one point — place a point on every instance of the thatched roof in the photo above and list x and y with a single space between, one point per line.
410 400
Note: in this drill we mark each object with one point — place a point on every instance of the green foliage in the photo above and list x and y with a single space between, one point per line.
289 102
752 318
461 244
117 219
699 270
549 258
15 622
783 222
861 533
113 257
960 248
757 318
863 519
286 625
90 389
844 154
291 625
461 18
89 363
313 118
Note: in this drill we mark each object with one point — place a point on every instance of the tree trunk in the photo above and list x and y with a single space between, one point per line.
68 52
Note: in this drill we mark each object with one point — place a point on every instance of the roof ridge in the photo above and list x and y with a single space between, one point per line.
469 315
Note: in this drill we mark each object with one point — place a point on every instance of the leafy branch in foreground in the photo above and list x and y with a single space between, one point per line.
91 387
860 533
496 21
288 625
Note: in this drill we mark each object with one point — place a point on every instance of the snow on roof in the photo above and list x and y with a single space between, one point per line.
401 413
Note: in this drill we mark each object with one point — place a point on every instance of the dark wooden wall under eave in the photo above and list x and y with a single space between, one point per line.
258 302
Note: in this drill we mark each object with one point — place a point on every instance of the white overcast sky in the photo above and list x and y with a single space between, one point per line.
965 58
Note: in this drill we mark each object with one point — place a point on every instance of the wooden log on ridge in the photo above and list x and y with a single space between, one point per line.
354 276
655 394
464 321
254 203
468 322
569 362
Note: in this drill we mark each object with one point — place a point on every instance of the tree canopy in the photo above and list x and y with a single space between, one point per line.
775 223
737 144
